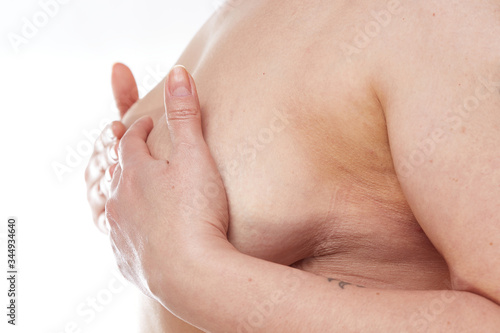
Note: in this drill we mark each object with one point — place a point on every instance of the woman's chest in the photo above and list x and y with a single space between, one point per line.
296 133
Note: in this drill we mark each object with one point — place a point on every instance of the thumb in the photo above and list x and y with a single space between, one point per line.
182 109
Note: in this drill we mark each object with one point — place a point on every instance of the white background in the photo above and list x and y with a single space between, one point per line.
54 88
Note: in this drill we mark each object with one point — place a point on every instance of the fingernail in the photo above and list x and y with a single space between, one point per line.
178 82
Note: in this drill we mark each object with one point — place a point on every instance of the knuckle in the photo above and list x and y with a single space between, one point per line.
98 144
100 223
104 187
91 171
107 135
183 111
94 164
95 198
99 163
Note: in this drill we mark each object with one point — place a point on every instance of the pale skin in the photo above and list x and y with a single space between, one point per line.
151 223
412 111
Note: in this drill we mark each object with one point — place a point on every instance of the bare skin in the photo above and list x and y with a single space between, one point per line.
312 198
322 196
322 206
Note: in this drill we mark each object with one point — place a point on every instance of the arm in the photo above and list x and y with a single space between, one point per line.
444 134
227 291
170 240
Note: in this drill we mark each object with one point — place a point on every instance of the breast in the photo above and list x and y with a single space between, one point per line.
287 157
300 142
275 201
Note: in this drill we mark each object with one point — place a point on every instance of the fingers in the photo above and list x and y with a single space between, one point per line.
97 201
109 136
118 129
105 152
182 109
100 170
133 147
124 87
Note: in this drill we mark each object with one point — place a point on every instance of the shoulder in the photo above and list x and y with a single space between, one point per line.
444 26
436 43
437 71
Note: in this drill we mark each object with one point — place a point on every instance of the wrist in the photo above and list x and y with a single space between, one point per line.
180 276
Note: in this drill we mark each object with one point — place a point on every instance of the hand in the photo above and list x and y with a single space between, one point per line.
159 211
104 158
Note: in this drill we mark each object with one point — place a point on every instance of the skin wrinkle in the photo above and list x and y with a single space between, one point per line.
344 270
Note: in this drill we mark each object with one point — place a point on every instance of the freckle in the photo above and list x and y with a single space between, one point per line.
491 244
463 129
378 293
449 323
173 186
433 14
431 161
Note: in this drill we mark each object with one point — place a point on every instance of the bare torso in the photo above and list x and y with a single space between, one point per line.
300 138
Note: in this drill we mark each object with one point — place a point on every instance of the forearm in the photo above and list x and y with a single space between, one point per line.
154 318
227 291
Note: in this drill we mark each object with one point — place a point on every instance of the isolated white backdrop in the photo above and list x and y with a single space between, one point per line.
54 94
